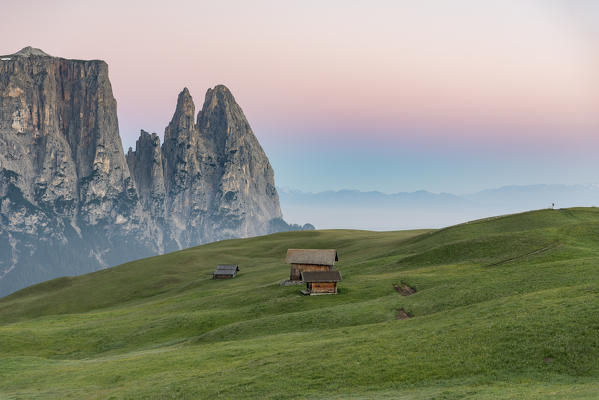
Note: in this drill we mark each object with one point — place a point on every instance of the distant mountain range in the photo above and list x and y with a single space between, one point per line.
422 209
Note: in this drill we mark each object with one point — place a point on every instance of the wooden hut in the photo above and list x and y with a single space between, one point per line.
305 260
225 271
321 282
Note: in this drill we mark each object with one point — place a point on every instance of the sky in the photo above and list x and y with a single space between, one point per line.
395 96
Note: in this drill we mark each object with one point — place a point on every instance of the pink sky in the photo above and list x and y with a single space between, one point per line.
466 76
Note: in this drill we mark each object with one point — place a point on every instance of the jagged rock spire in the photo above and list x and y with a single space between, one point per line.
246 176
183 119
145 166
218 181
221 119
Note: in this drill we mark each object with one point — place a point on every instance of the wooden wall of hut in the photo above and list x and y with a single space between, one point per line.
323 287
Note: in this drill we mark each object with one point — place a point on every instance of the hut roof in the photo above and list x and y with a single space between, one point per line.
311 256
227 266
321 276
226 270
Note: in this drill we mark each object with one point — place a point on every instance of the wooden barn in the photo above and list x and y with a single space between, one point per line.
225 271
321 282
307 260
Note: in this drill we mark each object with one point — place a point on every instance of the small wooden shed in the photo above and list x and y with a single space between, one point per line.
227 271
306 260
321 282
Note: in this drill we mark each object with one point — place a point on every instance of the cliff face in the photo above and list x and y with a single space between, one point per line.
70 202
145 166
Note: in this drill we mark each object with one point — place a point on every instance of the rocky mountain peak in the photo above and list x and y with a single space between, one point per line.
30 51
219 97
220 168
219 93
222 121
183 119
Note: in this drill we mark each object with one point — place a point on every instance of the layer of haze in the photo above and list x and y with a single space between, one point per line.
452 96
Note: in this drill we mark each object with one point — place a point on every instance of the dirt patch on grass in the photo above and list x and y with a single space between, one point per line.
404 289
402 314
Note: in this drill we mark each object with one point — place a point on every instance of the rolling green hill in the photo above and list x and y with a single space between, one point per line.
506 307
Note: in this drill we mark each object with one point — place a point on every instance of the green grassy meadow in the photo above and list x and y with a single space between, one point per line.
506 308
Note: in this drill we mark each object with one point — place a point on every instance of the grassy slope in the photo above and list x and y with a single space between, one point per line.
494 317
